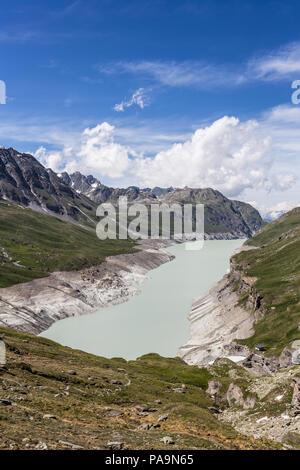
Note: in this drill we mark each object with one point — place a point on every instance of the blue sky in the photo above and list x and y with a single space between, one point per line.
109 86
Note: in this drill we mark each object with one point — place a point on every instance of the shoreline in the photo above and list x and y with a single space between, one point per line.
34 306
216 321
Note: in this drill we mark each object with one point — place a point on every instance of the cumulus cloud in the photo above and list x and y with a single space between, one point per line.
53 160
138 98
99 153
228 155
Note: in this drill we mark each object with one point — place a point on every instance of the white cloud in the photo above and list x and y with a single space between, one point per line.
280 64
175 74
53 160
138 98
228 155
100 154
276 65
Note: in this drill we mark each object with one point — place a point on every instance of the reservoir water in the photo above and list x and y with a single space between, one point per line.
156 319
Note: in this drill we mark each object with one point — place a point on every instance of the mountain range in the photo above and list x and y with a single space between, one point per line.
75 197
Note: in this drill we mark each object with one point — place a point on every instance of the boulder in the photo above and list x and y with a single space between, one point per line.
213 388
296 356
115 445
249 403
296 393
167 440
234 395
48 416
162 418
285 358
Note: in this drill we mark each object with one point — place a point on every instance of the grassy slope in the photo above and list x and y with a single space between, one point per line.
36 382
43 244
276 265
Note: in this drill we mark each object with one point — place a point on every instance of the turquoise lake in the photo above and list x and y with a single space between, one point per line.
156 319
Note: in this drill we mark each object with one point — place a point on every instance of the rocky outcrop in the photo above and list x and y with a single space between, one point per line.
26 181
215 321
296 394
34 306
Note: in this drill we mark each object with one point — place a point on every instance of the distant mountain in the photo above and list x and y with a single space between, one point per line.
25 181
75 197
98 192
231 219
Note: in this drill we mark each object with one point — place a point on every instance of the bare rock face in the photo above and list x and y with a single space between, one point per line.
296 357
285 358
258 364
296 393
234 395
213 388
26 181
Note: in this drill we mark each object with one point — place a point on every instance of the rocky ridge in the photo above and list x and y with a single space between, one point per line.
24 180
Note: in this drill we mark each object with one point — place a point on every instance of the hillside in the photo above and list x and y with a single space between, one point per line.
25 181
52 397
32 245
227 218
75 197
268 283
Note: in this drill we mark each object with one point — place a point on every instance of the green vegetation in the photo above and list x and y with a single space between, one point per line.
32 245
91 400
275 264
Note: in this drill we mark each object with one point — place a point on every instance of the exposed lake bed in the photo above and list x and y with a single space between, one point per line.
155 320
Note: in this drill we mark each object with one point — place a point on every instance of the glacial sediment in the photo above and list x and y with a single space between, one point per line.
34 306
216 320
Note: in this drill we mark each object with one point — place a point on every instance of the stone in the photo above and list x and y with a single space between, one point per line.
167 440
144 427
48 416
214 410
285 358
142 408
162 418
116 382
296 393
158 402
6 402
70 444
234 395
296 357
213 388
249 403
179 390
115 445
41 446
71 372
113 413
